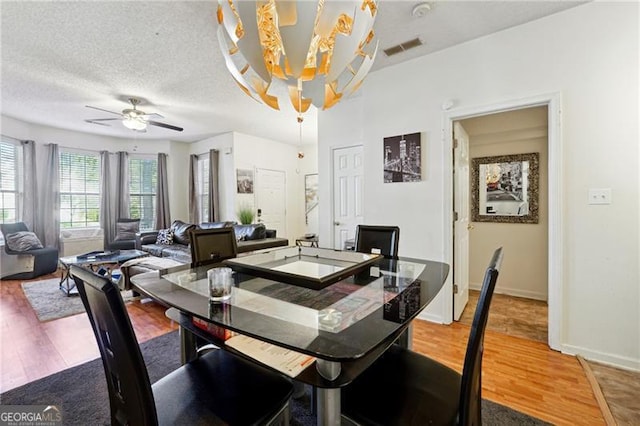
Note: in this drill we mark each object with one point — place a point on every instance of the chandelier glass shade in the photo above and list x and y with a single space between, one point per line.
321 50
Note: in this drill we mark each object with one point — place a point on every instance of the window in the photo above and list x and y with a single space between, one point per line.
143 178
202 187
79 190
10 175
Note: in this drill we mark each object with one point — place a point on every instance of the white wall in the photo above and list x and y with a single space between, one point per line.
595 67
242 151
252 152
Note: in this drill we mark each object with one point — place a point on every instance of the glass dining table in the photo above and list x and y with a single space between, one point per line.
346 322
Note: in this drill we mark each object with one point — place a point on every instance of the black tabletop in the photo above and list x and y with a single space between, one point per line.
342 322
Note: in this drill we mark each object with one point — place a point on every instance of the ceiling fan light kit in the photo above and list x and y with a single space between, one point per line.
133 118
320 50
134 123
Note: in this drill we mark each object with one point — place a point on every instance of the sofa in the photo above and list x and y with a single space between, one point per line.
249 237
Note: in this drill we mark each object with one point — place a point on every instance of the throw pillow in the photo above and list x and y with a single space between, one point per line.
23 241
127 230
165 237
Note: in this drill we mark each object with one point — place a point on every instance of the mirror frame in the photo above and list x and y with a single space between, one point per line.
532 188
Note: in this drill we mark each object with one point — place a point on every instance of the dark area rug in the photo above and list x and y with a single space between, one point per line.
49 302
81 392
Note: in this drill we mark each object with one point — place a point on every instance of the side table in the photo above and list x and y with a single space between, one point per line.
312 241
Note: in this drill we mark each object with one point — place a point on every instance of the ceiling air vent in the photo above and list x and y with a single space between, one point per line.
403 46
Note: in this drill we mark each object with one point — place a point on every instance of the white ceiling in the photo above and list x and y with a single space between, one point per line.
57 57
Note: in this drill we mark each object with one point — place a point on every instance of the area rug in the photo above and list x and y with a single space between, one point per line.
81 392
49 302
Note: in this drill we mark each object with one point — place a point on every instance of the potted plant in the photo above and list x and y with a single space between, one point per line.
246 215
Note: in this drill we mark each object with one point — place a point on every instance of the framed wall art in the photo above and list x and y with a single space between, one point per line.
245 181
310 194
402 158
505 188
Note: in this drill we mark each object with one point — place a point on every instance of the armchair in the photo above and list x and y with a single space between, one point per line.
125 238
35 261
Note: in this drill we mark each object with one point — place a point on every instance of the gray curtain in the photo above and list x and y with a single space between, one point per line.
29 214
214 192
194 212
163 214
122 186
51 198
107 221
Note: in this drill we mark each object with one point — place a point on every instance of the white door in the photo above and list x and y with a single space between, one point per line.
461 225
271 200
347 194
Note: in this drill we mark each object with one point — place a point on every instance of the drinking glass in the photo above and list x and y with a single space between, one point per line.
220 284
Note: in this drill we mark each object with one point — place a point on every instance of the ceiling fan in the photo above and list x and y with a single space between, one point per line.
133 118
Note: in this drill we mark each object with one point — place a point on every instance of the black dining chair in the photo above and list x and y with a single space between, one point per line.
216 388
209 246
377 239
406 388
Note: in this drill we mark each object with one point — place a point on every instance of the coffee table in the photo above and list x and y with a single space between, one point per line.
94 259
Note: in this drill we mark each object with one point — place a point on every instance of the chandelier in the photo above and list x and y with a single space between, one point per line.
321 50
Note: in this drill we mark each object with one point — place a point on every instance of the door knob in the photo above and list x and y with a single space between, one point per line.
336 223
470 227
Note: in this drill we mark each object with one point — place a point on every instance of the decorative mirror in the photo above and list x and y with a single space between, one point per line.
505 188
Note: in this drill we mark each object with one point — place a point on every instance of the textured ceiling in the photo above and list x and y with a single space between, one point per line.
57 57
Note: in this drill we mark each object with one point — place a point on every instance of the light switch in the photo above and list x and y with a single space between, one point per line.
600 196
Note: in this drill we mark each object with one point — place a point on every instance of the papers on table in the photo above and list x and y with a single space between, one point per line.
284 360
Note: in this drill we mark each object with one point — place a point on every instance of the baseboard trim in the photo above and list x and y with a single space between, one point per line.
513 292
431 318
625 363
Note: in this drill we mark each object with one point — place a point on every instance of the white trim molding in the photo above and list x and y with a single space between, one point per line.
606 358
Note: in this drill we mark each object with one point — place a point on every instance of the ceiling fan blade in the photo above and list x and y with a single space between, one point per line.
152 115
105 110
166 126
99 122
103 119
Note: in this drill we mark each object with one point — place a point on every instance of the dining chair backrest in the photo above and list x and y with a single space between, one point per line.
471 386
130 394
377 239
212 245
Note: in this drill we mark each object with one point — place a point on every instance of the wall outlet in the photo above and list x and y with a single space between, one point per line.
600 196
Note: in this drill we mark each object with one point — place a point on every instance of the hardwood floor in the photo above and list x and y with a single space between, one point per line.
515 316
621 389
30 349
517 372
520 373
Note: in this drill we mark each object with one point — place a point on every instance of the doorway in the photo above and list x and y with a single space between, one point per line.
519 307
271 200
347 194
553 199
